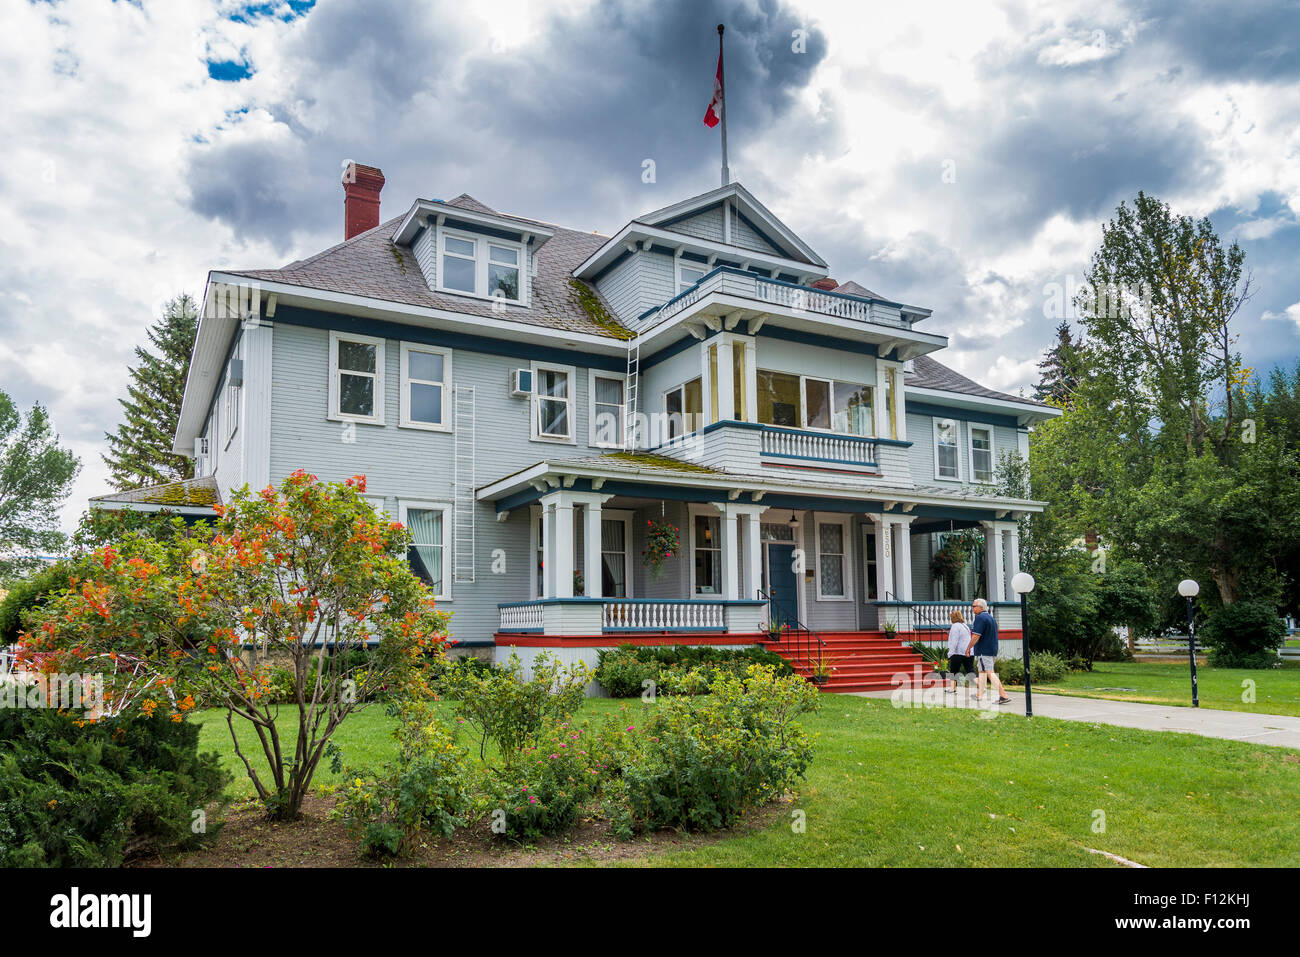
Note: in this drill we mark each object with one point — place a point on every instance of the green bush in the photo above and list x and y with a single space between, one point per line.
96 794
1245 634
26 596
1044 665
426 788
503 708
702 762
623 671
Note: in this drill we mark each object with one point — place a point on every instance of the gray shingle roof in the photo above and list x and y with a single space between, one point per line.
190 494
370 264
931 374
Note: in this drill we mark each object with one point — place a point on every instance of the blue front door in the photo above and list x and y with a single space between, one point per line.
782 583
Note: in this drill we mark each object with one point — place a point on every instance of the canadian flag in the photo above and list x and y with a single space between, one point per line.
711 118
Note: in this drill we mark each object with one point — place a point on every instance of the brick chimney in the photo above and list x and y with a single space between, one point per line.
827 284
361 187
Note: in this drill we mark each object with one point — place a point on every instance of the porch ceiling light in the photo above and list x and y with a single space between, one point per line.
794 519
1023 583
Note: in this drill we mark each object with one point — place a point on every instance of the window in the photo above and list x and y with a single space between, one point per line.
803 402
981 454
683 408
891 402
869 565
426 381
713 383
830 561
230 415
739 392
606 414
688 276
553 402
708 554
356 378
945 450
428 555
480 266
539 571
613 558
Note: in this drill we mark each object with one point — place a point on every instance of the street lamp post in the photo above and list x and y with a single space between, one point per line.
1023 584
1189 590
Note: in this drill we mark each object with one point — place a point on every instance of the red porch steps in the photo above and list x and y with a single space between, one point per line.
863 660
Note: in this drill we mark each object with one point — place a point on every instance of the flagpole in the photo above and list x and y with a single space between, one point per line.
726 173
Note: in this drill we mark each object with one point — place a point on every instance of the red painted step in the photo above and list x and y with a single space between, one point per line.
863 660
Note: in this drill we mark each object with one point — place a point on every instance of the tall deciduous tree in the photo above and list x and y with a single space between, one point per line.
36 475
140 452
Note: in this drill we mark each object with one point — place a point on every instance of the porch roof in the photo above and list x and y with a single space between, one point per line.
658 476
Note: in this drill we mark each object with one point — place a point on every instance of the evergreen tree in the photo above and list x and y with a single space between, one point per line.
1059 371
140 453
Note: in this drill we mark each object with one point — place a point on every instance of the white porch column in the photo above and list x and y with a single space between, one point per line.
993 565
593 564
1013 558
730 547
559 539
547 585
905 559
749 516
884 558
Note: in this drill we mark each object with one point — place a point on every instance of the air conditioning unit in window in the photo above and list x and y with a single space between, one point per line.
521 382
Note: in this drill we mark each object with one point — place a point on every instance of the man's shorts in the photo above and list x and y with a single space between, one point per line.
961 665
985 662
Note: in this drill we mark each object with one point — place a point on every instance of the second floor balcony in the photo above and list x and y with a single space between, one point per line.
726 295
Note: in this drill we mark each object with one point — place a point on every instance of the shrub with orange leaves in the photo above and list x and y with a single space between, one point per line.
304 575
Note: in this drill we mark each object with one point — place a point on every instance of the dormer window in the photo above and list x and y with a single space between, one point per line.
481 266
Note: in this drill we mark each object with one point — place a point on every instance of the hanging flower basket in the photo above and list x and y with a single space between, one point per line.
662 543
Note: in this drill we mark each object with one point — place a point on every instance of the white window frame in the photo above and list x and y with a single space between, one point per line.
406 422
970 451
682 285
956 438
803 402
334 414
709 512
535 433
448 532
625 516
681 387
482 259
845 553
593 430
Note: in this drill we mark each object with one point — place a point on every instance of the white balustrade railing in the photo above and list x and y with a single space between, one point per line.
634 615
525 617
816 445
748 285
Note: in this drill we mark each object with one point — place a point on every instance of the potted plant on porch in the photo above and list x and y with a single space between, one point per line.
891 630
821 672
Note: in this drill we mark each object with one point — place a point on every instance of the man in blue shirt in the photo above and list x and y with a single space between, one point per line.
984 645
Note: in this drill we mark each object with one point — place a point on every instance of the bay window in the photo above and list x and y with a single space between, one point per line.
683 407
806 402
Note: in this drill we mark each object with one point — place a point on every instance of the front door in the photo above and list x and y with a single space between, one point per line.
782 583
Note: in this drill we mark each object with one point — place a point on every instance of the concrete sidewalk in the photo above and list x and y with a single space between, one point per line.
1272 729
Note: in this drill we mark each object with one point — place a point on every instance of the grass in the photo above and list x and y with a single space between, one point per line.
1277 690
945 787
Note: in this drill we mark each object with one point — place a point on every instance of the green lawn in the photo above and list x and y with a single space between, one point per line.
1277 690
944 787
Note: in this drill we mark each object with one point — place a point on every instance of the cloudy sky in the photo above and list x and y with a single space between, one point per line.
960 156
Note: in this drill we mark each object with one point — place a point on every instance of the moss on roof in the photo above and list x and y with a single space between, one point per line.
582 295
180 493
659 462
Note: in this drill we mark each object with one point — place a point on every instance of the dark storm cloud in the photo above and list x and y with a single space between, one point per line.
1255 40
540 130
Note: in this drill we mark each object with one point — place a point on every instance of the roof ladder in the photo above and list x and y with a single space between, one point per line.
632 388
464 484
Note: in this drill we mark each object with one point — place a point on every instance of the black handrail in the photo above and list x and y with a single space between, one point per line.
801 640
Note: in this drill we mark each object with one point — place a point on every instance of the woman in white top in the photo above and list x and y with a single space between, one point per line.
959 662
